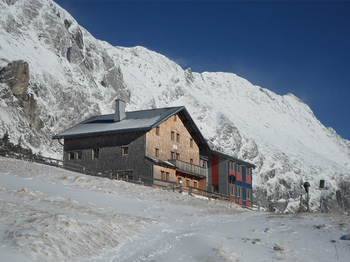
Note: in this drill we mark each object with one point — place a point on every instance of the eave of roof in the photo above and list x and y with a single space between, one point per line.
234 159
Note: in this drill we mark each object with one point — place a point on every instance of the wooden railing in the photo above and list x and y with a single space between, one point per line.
188 167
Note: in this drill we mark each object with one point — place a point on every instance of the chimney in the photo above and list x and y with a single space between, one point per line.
119 114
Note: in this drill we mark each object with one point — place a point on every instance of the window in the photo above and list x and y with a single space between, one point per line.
249 171
215 188
125 150
179 179
239 191
167 176
95 153
79 154
239 168
156 153
204 164
195 184
232 165
191 161
172 155
162 175
175 118
173 135
157 130
232 190
178 138
191 142
70 155
248 194
177 156
129 175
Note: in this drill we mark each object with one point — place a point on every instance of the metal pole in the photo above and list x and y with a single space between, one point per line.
321 200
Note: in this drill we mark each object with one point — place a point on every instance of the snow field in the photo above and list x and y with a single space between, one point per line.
50 214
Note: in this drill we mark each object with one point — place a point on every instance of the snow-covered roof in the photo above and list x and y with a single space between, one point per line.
143 120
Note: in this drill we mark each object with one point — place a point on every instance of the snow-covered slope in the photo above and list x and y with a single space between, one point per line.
50 214
72 76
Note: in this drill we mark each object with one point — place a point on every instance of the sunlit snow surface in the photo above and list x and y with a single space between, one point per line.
49 214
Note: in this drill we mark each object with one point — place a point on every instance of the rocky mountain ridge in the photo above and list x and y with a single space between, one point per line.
54 74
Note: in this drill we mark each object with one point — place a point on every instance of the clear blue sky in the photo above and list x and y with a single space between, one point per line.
298 47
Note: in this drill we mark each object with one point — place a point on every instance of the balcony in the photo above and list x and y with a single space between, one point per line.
188 167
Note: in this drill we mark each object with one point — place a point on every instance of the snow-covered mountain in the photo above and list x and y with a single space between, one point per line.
54 73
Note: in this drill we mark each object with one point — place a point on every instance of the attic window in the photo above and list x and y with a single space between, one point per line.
173 135
157 130
95 153
125 150
175 118
178 138
191 142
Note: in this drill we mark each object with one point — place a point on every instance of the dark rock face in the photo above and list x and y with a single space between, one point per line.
16 76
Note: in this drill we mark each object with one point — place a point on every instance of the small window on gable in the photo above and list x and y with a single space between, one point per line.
70 155
157 130
125 150
178 138
175 118
79 154
95 153
156 153
191 142
173 135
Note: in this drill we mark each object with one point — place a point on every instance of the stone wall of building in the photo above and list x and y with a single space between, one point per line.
116 153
